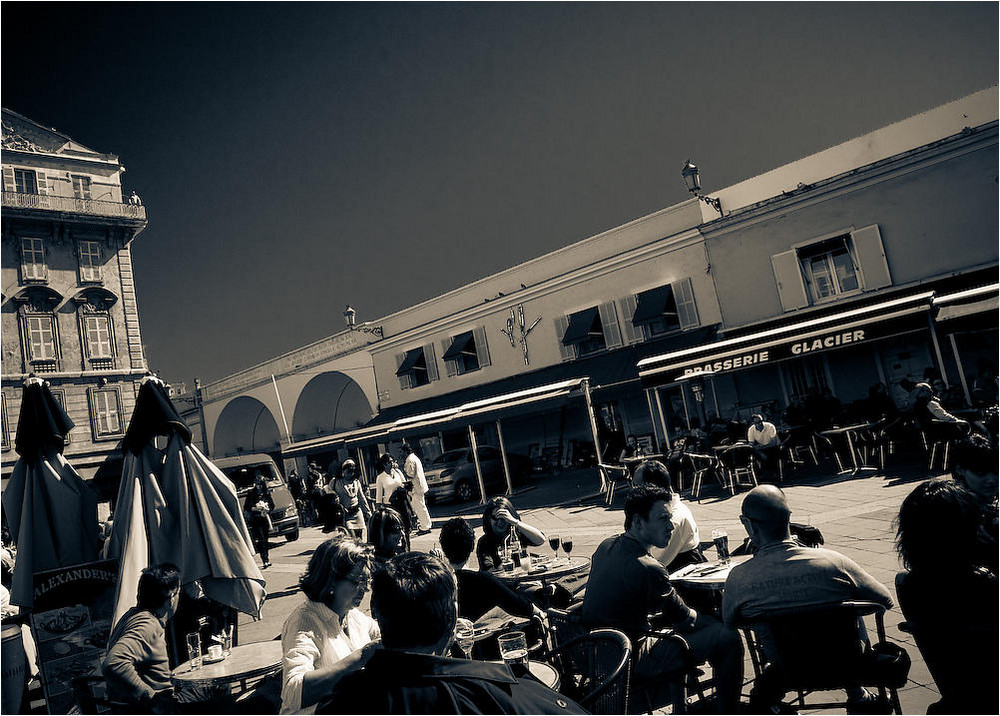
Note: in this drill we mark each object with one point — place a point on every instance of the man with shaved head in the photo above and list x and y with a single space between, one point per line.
783 573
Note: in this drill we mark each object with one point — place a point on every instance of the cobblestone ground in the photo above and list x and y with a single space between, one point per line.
854 514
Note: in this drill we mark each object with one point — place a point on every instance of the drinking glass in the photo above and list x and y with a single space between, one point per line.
721 539
227 640
514 648
554 544
194 649
567 545
464 632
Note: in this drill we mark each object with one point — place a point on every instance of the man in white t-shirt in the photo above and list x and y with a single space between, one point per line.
683 547
414 470
764 438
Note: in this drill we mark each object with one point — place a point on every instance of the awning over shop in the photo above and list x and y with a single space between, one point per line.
459 345
652 304
580 326
410 360
968 303
838 330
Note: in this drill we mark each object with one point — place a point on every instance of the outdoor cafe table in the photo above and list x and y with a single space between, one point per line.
245 663
544 569
707 577
847 432
540 670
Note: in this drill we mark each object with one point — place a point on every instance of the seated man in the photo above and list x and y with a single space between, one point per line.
413 599
136 667
478 591
785 574
764 438
627 585
683 548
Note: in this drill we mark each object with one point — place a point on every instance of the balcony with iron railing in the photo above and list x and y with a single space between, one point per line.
72 205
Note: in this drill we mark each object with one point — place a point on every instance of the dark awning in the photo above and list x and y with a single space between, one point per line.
412 356
579 326
458 346
652 304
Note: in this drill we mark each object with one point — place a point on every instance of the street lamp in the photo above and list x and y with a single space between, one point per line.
350 318
692 178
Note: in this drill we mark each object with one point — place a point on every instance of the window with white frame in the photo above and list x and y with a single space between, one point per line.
41 335
90 260
81 187
25 181
97 329
829 268
32 259
105 413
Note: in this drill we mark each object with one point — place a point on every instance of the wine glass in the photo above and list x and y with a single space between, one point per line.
464 632
567 545
554 545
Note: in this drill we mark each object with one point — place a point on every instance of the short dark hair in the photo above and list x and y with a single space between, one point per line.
332 561
492 507
641 500
383 460
156 585
975 455
934 510
413 599
382 521
457 539
655 474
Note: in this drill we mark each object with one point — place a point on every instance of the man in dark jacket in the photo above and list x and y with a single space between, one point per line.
413 598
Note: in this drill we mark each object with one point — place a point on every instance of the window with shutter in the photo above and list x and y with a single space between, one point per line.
25 181
405 378
41 337
788 278
450 364
105 413
430 363
870 252
98 332
482 347
81 187
90 261
630 332
687 309
8 179
32 259
566 352
609 324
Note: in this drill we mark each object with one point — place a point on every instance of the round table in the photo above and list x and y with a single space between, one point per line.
544 569
541 671
245 662
707 575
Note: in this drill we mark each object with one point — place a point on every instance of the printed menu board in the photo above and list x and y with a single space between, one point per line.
71 621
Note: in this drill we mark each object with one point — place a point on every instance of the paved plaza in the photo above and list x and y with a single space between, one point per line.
854 514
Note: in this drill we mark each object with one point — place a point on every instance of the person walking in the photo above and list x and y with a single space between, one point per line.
351 493
414 470
257 509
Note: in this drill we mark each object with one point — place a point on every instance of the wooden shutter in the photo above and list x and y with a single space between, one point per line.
431 360
405 380
788 277
43 188
687 309
8 179
482 347
609 322
450 366
627 305
871 257
566 352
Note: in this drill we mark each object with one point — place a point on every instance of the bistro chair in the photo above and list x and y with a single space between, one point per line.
941 436
564 625
702 465
738 461
595 670
91 693
793 449
822 648
611 475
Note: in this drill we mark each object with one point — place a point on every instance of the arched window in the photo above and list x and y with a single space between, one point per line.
96 328
39 329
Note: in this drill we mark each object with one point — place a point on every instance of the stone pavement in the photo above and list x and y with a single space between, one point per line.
854 514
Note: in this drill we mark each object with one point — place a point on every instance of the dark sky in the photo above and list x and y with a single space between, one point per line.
295 158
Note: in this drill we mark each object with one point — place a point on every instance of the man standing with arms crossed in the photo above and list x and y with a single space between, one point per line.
414 470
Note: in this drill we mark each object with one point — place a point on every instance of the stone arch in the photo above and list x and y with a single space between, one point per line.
329 403
245 425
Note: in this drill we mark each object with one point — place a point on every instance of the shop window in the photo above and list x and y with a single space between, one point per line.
6 428
81 187
106 413
25 181
466 352
32 259
830 268
90 261
804 377
416 367
589 331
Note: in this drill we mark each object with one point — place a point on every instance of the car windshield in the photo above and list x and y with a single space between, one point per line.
245 477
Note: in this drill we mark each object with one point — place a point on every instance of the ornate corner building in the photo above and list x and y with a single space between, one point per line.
68 294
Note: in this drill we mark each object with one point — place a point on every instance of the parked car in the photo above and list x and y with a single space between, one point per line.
453 474
243 470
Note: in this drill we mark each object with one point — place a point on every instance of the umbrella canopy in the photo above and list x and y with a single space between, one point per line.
175 506
50 510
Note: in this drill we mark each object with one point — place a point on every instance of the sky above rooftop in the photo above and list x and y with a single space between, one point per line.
294 158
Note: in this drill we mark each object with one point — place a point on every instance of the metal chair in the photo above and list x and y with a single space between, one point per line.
738 462
821 648
797 443
595 670
702 465
941 436
611 475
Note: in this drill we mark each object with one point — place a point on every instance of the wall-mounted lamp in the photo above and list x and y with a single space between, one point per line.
350 318
692 178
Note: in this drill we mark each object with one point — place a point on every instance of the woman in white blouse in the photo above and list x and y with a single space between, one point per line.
327 637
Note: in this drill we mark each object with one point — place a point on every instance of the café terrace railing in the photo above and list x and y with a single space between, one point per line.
92 207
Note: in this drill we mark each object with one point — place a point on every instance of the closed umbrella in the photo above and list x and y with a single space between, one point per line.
175 506
50 510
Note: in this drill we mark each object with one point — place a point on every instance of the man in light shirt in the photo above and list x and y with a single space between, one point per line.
683 548
414 470
764 438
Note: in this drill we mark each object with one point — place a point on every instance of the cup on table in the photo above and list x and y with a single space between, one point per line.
721 539
215 651
513 648
194 649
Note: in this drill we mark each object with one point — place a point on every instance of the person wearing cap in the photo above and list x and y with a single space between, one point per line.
414 470
783 573
764 438
351 493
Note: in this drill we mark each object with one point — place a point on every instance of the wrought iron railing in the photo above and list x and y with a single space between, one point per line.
92 207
